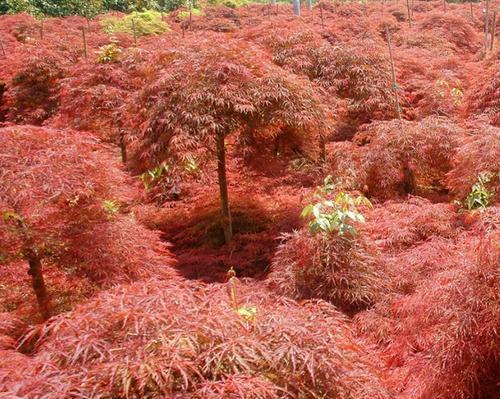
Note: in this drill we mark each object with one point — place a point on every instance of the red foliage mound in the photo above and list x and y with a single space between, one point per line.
359 74
444 338
10 327
455 28
343 271
184 340
215 86
62 204
396 225
93 97
478 153
484 98
33 93
407 157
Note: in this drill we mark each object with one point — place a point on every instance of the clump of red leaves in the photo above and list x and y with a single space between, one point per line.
180 339
344 271
33 93
442 342
217 86
478 153
71 195
455 28
403 156
360 77
484 98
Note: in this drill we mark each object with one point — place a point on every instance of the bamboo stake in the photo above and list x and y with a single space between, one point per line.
3 49
409 12
393 71
493 27
321 13
486 21
41 29
84 37
134 31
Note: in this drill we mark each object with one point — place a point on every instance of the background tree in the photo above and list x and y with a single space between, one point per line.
62 204
213 91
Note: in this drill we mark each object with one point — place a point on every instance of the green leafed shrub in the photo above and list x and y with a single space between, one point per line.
146 23
336 214
479 196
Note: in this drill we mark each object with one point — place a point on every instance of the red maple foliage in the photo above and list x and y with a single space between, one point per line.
478 153
62 205
344 271
187 340
415 155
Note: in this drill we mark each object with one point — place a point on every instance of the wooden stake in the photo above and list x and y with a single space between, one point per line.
444 5
41 29
134 31
493 26
393 71
321 13
409 12
3 49
471 10
486 21
84 37
190 18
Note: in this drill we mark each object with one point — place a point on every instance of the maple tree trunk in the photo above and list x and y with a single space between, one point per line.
322 148
123 147
227 224
38 283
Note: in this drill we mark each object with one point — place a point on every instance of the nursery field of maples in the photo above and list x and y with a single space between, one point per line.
234 201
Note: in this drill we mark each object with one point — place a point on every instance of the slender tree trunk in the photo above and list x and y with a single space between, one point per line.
321 13
123 146
309 5
486 21
134 31
493 27
41 29
409 12
227 224
84 37
2 48
296 7
393 72
38 282
322 148
471 10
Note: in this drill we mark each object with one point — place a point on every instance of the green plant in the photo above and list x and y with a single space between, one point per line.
109 53
334 215
479 196
153 175
191 166
184 14
144 23
111 207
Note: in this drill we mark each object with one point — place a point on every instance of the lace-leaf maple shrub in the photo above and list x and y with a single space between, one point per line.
61 205
209 89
